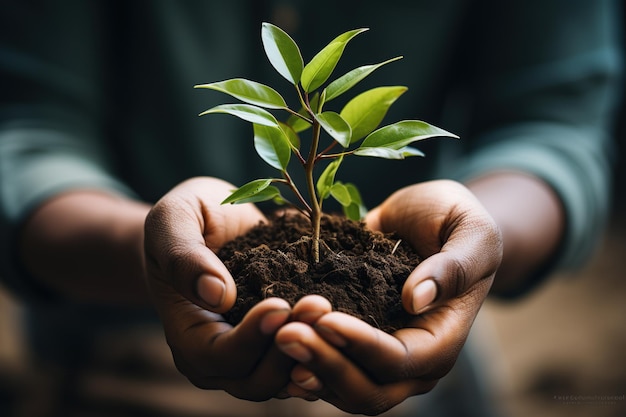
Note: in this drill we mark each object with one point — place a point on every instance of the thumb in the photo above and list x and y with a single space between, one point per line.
212 286
177 256
467 263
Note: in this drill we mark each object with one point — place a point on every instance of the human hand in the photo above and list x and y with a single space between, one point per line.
361 369
190 286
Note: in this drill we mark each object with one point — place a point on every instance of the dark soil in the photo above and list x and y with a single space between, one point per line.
360 272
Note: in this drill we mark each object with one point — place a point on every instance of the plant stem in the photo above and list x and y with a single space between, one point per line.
328 149
292 186
335 155
295 113
316 211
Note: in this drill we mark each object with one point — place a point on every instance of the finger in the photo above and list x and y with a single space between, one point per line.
360 341
341 382
269 379
310 308
304 384
236 352
426 349
305 379
205 344
242 360
294 390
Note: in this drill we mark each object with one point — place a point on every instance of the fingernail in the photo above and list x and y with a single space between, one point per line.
423 294
331 336
310 384
211 290
272 321
309 317
297 351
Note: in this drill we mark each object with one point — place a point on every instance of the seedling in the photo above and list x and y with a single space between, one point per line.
352 131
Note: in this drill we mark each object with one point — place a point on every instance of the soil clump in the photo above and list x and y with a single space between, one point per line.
361 272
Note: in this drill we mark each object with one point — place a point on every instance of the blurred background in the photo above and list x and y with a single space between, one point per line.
560 351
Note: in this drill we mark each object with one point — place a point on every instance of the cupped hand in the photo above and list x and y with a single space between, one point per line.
190 287
361 369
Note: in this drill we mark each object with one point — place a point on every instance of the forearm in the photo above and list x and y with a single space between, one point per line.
531 220
88 246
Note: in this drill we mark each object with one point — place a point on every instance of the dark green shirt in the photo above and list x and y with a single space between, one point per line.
100 94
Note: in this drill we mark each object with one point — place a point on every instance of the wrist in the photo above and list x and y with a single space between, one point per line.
531 220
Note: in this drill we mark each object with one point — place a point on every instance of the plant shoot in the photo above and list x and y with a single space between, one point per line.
332 136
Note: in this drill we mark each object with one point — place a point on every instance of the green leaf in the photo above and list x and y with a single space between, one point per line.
353 212
336 127
408 151
350 79
246 112
317 71
388 153
298 124
327 178
291 134
269 193
248 191
355 196
248 91
356 210
340 193
320 104
283 52
315 102
272 145
279 199
365 111
401 134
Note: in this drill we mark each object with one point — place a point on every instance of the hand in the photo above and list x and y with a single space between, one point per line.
361 369
190 286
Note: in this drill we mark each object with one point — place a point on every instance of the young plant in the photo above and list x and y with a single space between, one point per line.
353 130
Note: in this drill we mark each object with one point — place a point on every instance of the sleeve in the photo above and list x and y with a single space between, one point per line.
50 118
545 78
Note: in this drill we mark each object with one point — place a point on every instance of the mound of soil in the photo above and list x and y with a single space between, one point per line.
361 272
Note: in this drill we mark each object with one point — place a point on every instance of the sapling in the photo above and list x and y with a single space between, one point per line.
354 131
